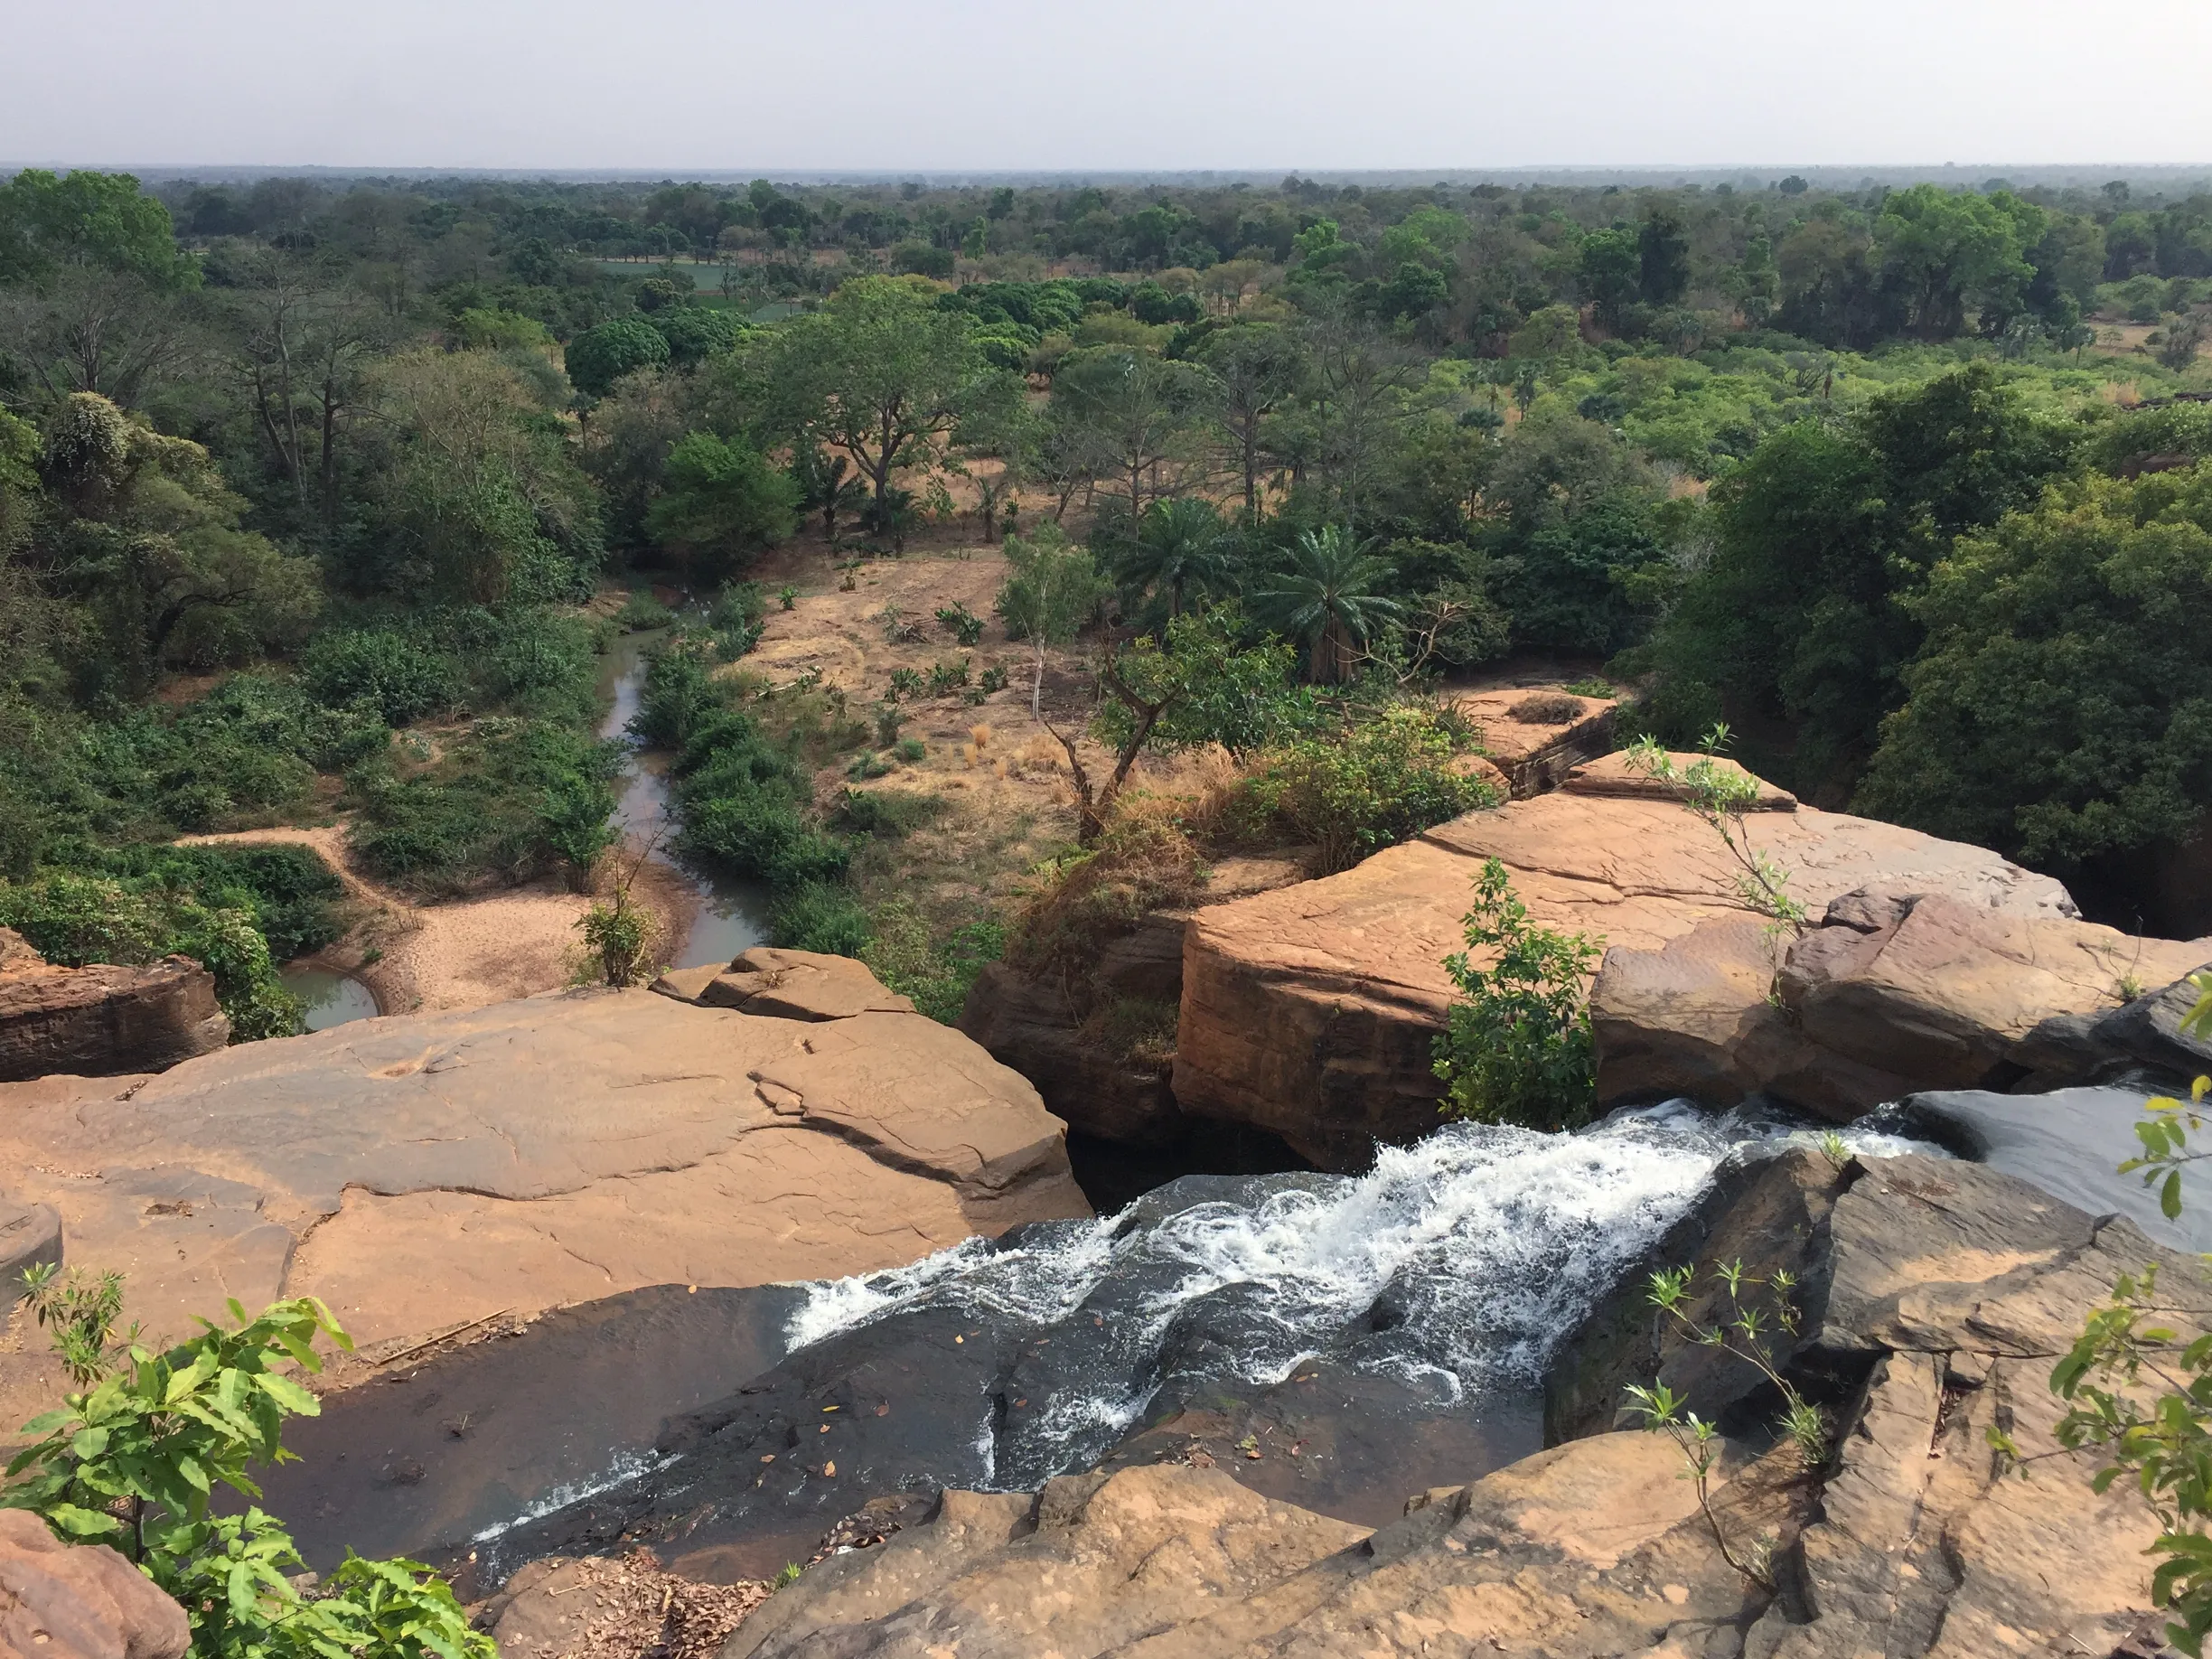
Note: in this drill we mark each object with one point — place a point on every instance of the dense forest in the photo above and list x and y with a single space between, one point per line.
1907 486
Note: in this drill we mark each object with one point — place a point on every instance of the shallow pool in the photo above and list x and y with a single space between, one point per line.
330 999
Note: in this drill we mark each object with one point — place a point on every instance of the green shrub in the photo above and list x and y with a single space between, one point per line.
679 695
1517 1048
132 1459
947 677
737 619
936 973
962 623
398 678
888 813
73 919
905 682
746 805
1375 785
865 767
888 719
994 677
910 749
288 891
511 801
820 915
641 613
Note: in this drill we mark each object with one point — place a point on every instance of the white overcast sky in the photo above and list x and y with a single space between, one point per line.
952 84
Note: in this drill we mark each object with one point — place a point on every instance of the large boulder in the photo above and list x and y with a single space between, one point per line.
105 1019
1937 1296
1312 1010
420 1171
79 1601
1896 988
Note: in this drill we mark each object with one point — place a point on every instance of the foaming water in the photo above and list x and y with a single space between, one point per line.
1453 1266
624 1469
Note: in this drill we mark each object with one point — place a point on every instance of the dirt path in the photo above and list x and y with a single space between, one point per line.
464 952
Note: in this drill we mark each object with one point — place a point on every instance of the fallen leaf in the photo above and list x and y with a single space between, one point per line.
828 1469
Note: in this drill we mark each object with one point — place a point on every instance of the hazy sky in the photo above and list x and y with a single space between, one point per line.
997 84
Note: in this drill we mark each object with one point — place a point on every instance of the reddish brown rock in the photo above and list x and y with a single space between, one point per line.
1312 1010
102 1020
420 1171
1533 755
801 985
79 1601
1895 991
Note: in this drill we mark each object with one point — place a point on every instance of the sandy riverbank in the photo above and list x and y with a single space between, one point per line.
462 954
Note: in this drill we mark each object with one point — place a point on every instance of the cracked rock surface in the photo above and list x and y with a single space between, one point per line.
420 1171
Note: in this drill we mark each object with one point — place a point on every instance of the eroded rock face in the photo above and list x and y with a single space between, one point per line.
1936 1294
420 1171
102 1020
1060 1037
1534 749
79 1601
1896 989
1312 1010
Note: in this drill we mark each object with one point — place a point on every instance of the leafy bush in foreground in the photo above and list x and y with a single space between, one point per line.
134 1459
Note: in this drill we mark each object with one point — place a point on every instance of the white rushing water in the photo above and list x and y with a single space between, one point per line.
1486 1244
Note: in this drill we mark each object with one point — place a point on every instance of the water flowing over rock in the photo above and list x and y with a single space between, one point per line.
1330 1341
1938 1295
102 1020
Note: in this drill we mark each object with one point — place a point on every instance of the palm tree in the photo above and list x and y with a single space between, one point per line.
1330 598
1181 548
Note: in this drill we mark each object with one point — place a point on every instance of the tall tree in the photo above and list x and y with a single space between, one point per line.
1137 412
1333 597
883 374
1257 367
1052 589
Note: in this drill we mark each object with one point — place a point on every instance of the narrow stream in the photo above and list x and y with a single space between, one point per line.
733 915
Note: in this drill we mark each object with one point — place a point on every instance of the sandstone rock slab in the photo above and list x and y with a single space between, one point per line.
1894 991
1312 1010
79 1601
801 985
1533 755
30 1236
423 1170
